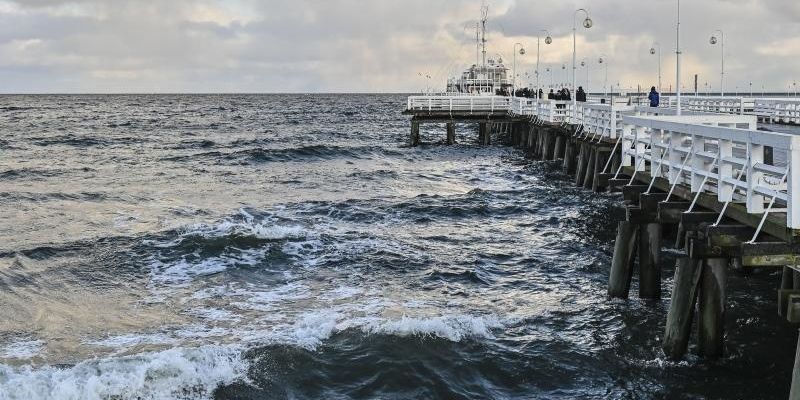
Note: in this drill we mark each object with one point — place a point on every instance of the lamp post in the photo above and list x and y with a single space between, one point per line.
678 61
587 23
550 71
751 89
604 60
656 50
521 52
713 41
564 68
547 40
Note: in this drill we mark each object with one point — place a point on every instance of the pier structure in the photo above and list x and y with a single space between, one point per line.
707 182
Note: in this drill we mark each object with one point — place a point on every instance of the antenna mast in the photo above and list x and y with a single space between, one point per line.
484 17
477 44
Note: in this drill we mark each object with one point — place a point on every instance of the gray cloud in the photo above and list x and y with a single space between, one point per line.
380 45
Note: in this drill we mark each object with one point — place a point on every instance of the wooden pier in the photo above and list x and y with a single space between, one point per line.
707 181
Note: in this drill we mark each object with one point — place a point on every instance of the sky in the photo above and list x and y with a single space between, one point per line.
210 46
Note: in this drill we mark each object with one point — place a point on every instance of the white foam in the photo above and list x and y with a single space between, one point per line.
183 271
175 373
264 229
453 328
22 350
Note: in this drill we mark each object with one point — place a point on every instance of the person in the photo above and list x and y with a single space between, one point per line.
541 94
654 97
567 94
580 95
551 95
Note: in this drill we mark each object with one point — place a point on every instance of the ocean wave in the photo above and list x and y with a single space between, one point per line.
313 328
171 374
245 224
302 153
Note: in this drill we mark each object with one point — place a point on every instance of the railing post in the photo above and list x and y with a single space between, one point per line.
657 153
793 184
698 164
675 157
725 190
613 123
627 131
755 202
640 148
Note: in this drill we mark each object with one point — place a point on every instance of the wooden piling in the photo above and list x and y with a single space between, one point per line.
483 133
688 273
711 307
414 133
580 165
794 393
619 280
559 149
569 157
650 261
589 175
451 133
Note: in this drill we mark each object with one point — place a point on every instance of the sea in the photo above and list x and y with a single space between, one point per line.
295 247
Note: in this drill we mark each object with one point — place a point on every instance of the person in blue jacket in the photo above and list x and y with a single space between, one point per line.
654 97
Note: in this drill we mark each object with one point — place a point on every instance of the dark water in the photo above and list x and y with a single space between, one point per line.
292 247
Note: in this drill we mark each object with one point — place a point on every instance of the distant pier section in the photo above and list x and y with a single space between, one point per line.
706 181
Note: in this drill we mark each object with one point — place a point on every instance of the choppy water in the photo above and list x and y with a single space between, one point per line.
292 247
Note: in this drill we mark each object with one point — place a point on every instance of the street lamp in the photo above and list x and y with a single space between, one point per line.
564 68
521 52
547 40
713 41
550 71
587 23
604 60
656 50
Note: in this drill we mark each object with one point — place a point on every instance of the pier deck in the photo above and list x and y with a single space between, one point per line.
708 181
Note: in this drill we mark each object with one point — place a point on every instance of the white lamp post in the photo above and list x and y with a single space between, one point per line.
521 52
713 40
547 40
587 23
678 61
656 50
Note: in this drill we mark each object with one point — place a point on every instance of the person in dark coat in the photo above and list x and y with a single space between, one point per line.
551 95
580 95
567 95
654 97
541 94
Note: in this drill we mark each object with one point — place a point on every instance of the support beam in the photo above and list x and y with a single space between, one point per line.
589 176
688 274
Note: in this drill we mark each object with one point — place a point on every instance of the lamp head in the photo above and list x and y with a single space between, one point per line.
522 51
583 63
548 40
600 61
652 51
713 40
587 23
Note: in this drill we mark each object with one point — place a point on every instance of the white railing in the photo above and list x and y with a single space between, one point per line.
600 120
459 103
720 160
778 110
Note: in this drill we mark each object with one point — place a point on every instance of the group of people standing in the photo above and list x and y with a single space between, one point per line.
580 95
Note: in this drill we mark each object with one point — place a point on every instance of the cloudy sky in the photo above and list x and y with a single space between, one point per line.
376 45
